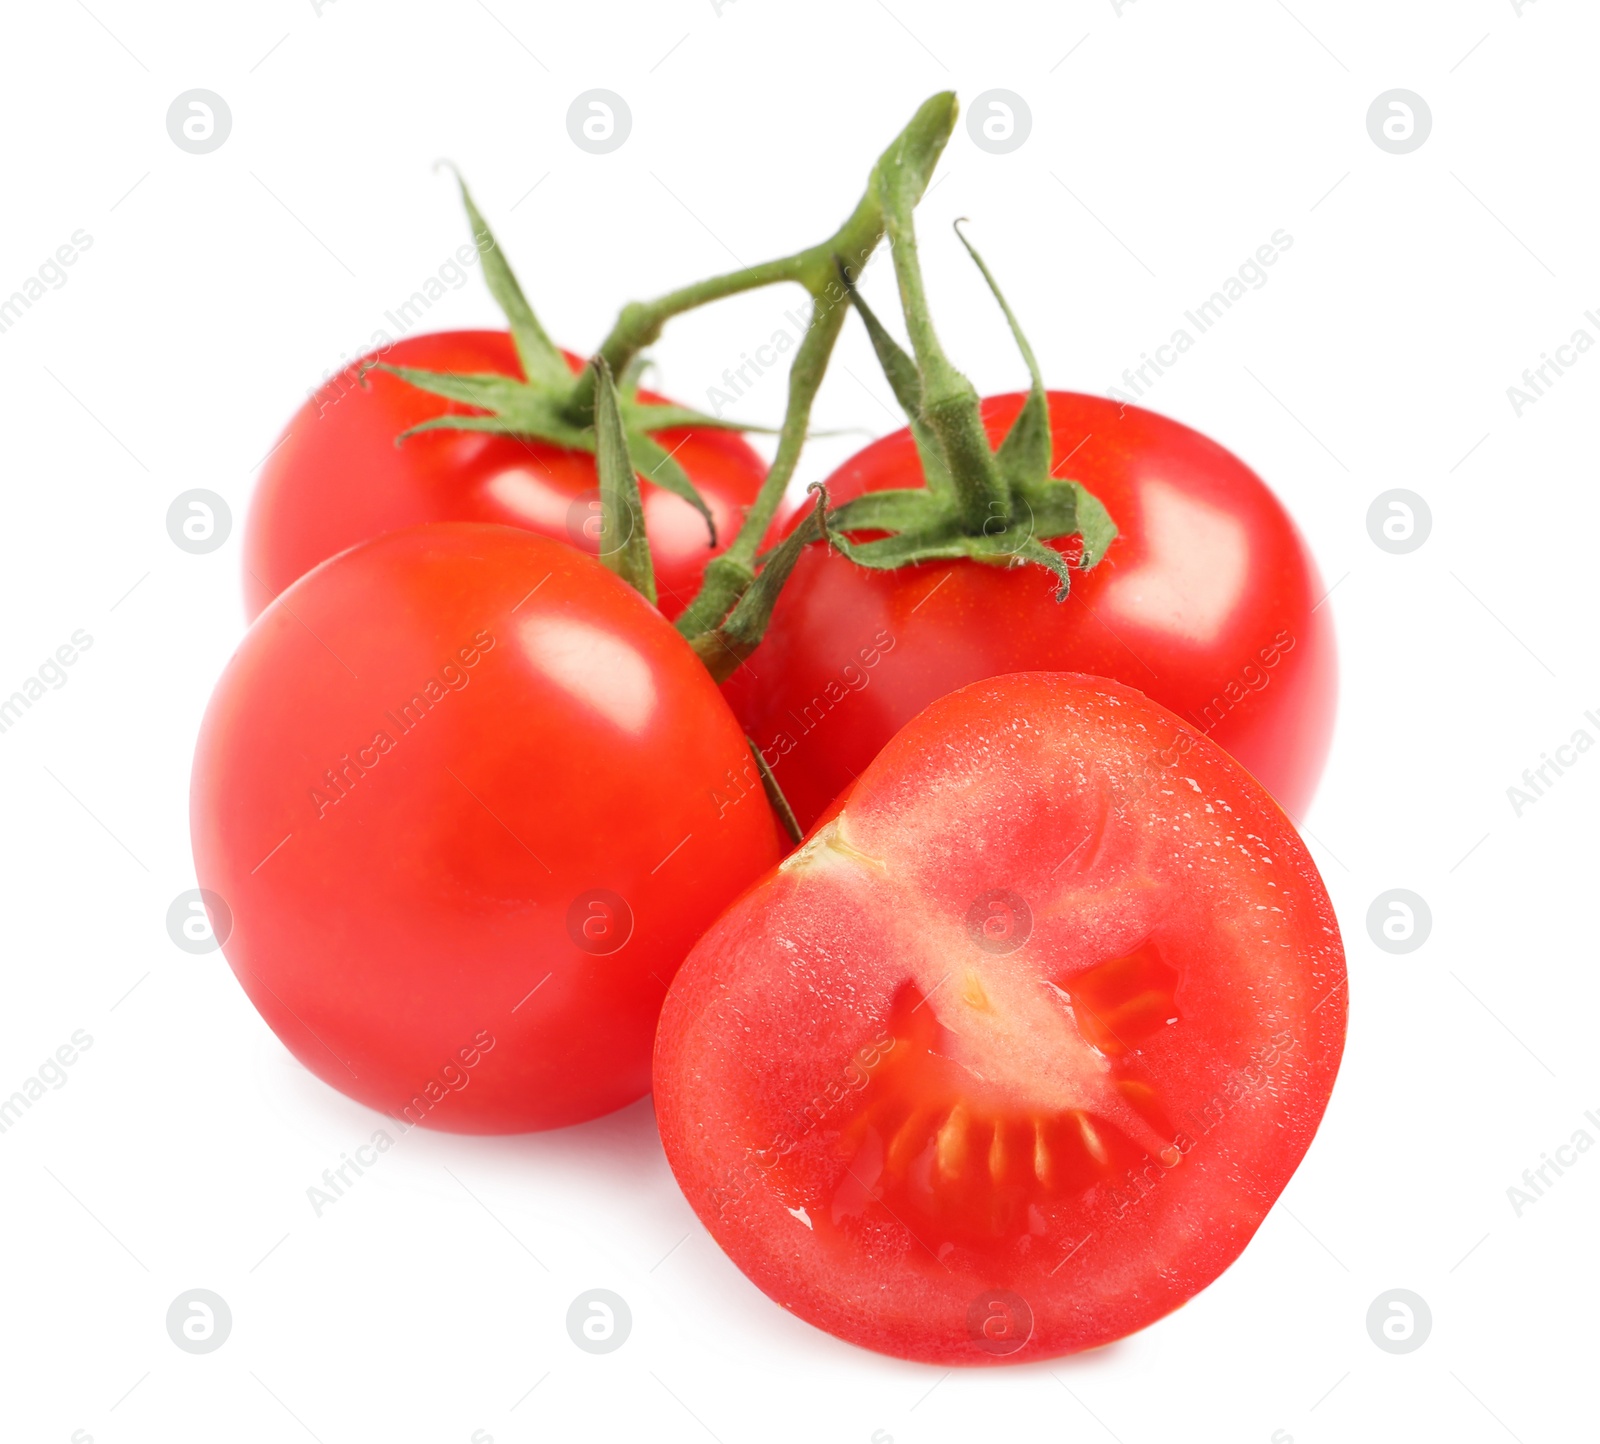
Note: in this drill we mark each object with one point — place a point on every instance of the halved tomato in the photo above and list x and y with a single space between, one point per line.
1014 1054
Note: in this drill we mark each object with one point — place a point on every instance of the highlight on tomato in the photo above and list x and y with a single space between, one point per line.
1014 1054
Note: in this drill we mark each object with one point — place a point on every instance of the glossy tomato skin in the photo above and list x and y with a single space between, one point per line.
469 800
336 476
1012 1056
1208 600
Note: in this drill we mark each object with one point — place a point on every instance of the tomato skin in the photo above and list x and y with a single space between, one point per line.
421 760
1208 601
336 476
786 1030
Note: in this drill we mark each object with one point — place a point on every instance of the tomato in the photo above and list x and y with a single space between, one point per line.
336 477
1208 600
468 800
1012 1056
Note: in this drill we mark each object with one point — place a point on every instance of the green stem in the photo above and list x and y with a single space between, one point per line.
903 170
949 400
816 267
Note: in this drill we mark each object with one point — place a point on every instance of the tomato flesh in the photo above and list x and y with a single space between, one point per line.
1013 1055
1208 601
468 801
337 477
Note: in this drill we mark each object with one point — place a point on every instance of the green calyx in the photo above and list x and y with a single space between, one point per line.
553 403
624 546
996 505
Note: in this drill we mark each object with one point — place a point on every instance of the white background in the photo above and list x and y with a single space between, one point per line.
1168 142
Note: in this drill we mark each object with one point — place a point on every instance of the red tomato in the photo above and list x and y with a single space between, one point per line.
1207 601
336 476
469 800
1012 1057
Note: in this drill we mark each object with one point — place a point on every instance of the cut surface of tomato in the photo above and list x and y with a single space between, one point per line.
1014 1054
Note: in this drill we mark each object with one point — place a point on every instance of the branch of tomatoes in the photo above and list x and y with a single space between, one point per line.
996 505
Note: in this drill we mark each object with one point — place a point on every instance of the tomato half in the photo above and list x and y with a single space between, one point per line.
467 800
336 476
1014 1054
1208 601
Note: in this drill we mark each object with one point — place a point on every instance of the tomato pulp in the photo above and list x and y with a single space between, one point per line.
337 477
467 800
1014 1054
1208 601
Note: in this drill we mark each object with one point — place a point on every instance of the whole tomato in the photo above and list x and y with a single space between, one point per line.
337 476
462 801
1207 601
